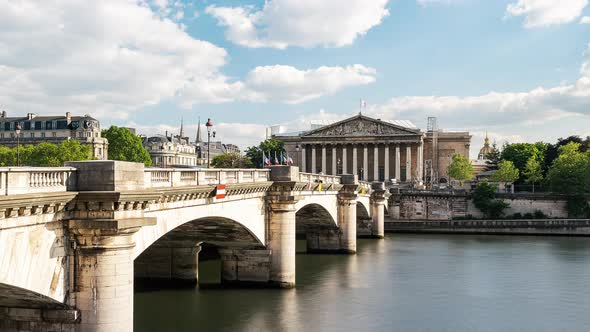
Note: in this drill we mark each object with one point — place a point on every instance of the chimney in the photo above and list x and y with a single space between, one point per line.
68 117
30 116
3 114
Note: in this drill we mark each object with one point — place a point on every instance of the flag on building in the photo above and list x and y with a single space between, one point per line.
265 159
276 159
289 160
283 159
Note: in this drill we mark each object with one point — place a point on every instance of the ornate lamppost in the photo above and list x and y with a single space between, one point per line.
209 126
17 131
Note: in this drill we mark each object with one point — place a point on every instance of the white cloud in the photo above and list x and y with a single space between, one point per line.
540 13
305 23
113 57
288 84
585 20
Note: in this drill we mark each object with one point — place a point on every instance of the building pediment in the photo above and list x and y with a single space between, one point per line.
361 126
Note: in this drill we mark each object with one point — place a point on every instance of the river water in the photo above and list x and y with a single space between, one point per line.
402 283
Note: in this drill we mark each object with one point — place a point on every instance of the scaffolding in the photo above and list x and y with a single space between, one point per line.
432 163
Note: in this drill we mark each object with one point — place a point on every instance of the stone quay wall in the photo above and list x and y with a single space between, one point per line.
568 227
446 206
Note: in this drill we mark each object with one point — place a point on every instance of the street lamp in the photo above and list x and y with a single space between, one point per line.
338 167
17 131
209 126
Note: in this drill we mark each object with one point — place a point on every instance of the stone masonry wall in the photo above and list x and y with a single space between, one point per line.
430 206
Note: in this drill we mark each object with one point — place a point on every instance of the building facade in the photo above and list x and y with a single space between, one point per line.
170 151
36 129
373 149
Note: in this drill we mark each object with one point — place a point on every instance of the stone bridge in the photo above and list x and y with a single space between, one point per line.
72 239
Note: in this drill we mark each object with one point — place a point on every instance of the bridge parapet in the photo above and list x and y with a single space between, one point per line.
177 177
311 178
31 180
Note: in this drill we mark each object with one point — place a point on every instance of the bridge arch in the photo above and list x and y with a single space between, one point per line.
17 297
233 223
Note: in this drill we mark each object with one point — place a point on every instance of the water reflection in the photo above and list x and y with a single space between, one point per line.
407 283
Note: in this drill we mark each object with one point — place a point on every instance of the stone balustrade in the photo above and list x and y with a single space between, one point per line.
30 180
313 178
178 177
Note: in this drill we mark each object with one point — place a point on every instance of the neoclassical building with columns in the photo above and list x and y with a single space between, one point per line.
374 149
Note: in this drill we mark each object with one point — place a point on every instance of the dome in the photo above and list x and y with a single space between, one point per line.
486 149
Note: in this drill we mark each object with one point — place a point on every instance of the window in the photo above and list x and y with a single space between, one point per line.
88 134
27 126
43 135
32 135
2 135
48 125
38 125
81 134
62 124
53 134
7 126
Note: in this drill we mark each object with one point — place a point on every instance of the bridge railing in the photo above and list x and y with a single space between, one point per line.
178 177
312 178
31 180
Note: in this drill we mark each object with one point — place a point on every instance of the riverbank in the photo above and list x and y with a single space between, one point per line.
563 227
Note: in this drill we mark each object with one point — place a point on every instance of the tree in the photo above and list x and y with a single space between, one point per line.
45 154
570 175
125 145
231 160
506 173
553 149
460 168
520 153
533 172
494 157
270 147
484 200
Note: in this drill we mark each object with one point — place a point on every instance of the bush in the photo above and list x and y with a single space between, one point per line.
540 215
528 216
484 199
517 215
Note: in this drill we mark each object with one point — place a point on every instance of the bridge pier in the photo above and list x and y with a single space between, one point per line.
102 285
342 239
378 201
178 264
245 267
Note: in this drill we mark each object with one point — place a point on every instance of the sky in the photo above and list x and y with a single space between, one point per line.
516 69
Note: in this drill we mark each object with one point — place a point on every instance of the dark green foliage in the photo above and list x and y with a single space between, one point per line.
520 153
231 160
540 215
126 146
517 215
484 199
528 215
494 157
269 146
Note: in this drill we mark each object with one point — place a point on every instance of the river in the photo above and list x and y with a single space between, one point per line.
402 283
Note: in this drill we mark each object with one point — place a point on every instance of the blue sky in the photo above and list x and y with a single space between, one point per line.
518 69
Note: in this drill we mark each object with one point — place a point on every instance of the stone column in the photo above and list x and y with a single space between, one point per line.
378 201
102 285
303 159
386 163
280 203
408 163
397 164
355 170
376 163
344 160
324 169
334 159
313 159
421 162
365 163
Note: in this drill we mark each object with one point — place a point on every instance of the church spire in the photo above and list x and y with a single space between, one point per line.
181 127
199 139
